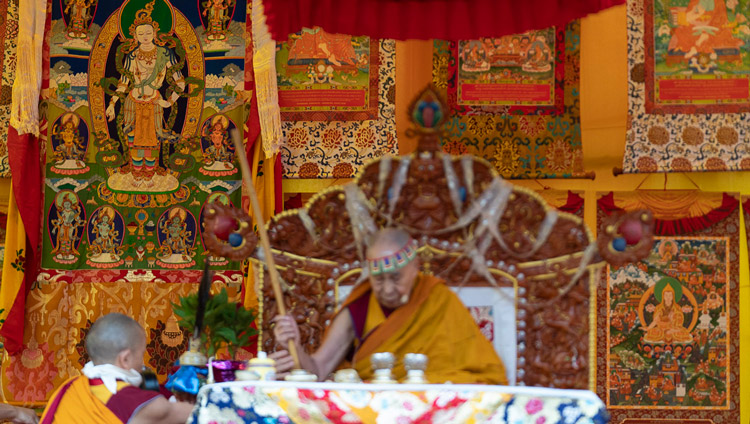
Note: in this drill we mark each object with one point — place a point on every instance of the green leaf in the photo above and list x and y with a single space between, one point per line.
225 323
228 334
222 297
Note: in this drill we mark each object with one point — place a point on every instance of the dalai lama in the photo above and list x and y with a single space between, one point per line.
399 310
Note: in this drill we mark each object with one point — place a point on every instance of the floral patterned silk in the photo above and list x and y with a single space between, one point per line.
283 402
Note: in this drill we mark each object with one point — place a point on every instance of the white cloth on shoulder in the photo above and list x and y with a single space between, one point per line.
109 374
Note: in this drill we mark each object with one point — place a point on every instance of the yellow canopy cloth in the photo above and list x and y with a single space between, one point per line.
74 402
670 205
436 323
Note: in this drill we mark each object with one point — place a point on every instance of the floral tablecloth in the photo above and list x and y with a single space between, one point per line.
283 402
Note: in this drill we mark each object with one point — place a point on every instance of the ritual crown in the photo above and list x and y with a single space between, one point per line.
143 17
395 261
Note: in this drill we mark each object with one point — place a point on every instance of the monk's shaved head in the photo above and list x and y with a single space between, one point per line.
112 334
386 242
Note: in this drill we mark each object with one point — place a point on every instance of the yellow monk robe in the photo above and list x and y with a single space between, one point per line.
81 402
434 322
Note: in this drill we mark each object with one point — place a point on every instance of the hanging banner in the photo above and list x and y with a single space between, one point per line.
144 94
514 101
337 97
322 72
688 85
668 325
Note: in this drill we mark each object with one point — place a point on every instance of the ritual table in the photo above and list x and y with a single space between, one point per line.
265 402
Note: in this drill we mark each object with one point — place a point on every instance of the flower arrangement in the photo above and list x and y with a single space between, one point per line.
225 324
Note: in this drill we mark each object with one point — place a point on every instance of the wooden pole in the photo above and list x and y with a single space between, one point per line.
239 151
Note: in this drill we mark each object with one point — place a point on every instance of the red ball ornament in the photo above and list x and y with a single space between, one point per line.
224 226
632 231
428 117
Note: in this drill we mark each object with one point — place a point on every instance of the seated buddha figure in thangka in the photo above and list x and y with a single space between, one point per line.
667 328
218 152
177 231
69 141
105 231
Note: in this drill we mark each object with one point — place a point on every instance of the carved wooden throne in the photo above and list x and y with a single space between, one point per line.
473 228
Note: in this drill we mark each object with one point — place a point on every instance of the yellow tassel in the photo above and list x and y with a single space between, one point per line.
264 65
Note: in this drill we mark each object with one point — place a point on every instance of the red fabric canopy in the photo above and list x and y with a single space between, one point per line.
425 19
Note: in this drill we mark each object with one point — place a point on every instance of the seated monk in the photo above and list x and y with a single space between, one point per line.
108 391
667 323
399 310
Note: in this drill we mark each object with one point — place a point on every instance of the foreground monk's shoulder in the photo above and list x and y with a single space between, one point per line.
161 411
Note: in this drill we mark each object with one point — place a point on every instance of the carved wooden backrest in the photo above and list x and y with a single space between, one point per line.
473 229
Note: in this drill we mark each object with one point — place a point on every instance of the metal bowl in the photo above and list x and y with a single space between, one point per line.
415 361
382 360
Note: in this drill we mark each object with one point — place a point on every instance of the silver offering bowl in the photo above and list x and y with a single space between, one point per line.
415 361
415 365
382 363
382 360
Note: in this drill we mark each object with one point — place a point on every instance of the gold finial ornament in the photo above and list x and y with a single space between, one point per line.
428 113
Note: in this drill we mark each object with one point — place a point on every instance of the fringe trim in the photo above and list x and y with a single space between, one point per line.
266 92
24 116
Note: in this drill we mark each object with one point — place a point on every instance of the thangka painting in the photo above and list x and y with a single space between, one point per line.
9 41
514 101
337 98
144 96
671 347
512 70
688 85
322 72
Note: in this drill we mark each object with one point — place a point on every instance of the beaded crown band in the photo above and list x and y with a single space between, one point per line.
395 261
